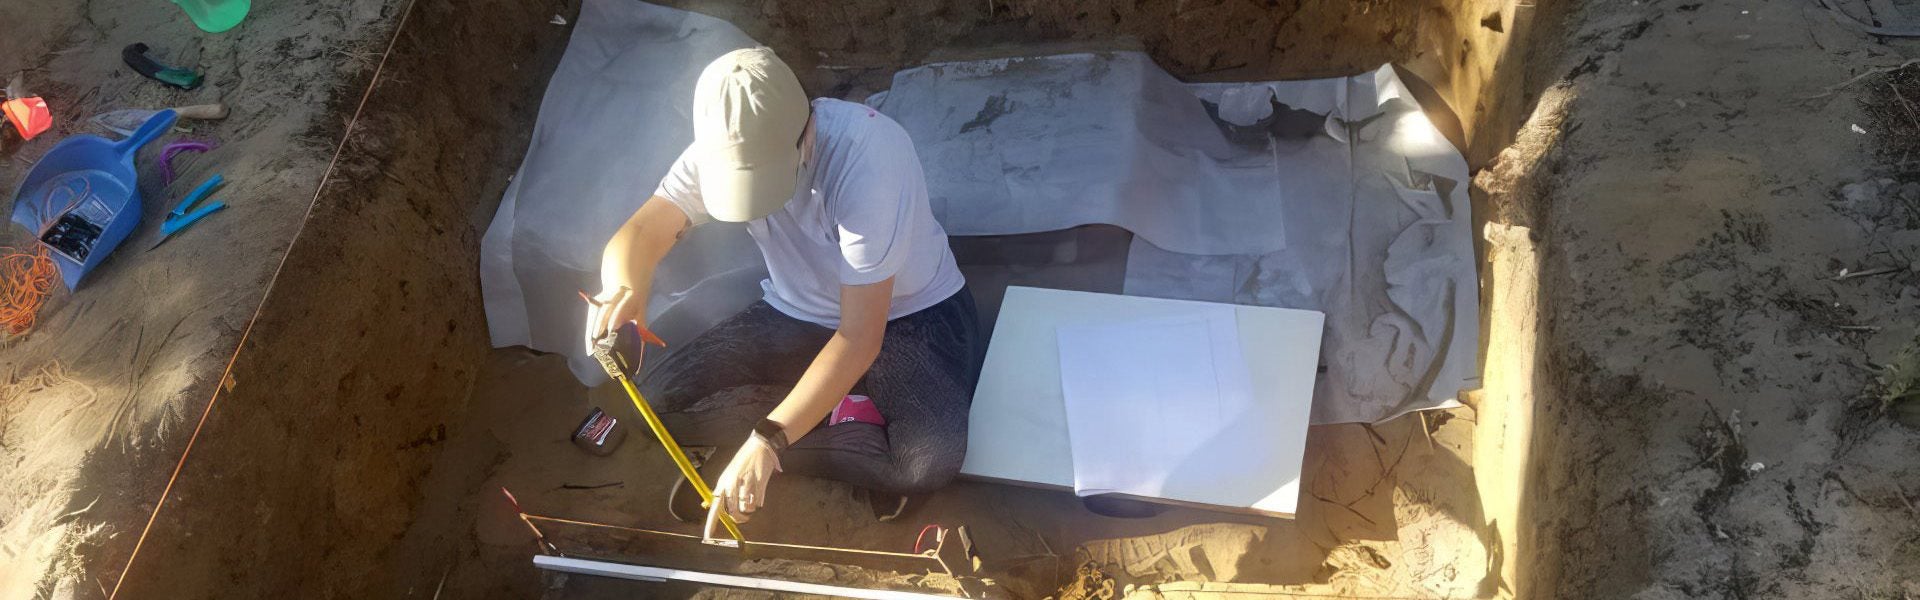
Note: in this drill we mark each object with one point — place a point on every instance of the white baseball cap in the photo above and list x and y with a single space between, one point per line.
748 114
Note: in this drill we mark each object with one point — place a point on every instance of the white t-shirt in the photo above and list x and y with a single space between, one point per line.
860 217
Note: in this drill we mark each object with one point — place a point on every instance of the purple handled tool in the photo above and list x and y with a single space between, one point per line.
167 153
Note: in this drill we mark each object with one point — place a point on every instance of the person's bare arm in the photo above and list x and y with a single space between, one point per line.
627 265
741 488
846 357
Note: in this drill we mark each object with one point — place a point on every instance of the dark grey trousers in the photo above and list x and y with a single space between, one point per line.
922 383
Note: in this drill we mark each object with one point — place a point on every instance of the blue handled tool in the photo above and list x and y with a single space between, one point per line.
81 199
185 214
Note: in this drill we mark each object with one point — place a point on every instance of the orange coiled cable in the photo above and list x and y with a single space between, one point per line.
25 280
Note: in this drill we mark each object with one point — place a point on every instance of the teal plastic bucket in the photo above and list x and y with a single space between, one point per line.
215 16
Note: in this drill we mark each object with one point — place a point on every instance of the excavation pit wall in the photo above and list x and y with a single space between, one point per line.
346 454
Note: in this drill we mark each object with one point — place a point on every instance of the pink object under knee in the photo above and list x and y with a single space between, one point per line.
855 408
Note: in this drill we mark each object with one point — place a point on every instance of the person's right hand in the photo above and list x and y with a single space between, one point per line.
608 311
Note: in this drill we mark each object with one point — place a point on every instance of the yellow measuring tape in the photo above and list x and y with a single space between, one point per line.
615 365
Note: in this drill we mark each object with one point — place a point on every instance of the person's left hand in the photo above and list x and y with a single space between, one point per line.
742 487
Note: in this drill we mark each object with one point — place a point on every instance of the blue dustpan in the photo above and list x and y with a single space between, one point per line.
81 200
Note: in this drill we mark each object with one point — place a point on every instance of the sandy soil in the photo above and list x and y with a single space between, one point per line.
357 363
515 437
1710 422
1395 511
96 401
1683 399
346 418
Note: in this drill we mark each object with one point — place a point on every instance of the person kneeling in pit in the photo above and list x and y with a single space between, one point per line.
862 292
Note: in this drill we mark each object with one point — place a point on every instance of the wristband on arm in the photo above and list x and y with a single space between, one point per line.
772 433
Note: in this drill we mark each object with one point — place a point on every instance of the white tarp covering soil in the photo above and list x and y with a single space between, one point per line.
1333 195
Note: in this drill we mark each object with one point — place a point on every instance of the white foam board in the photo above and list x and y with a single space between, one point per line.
1018 429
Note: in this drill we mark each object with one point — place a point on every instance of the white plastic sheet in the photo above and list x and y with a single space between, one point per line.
1390 262
615 116
1334 195
1045 143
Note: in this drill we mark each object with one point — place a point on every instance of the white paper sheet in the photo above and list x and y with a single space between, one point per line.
1148 398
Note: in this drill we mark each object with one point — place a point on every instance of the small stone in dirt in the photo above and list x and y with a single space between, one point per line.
1862 191
1867 199
1905 409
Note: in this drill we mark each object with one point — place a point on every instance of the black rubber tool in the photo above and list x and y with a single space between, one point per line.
136 56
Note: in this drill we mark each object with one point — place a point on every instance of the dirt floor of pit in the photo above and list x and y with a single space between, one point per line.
1373 485
1395 511
329 448
339 442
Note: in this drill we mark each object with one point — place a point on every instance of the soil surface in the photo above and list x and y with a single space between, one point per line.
319 413
1394 510
98 400
1724 200
1701 277
357 411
